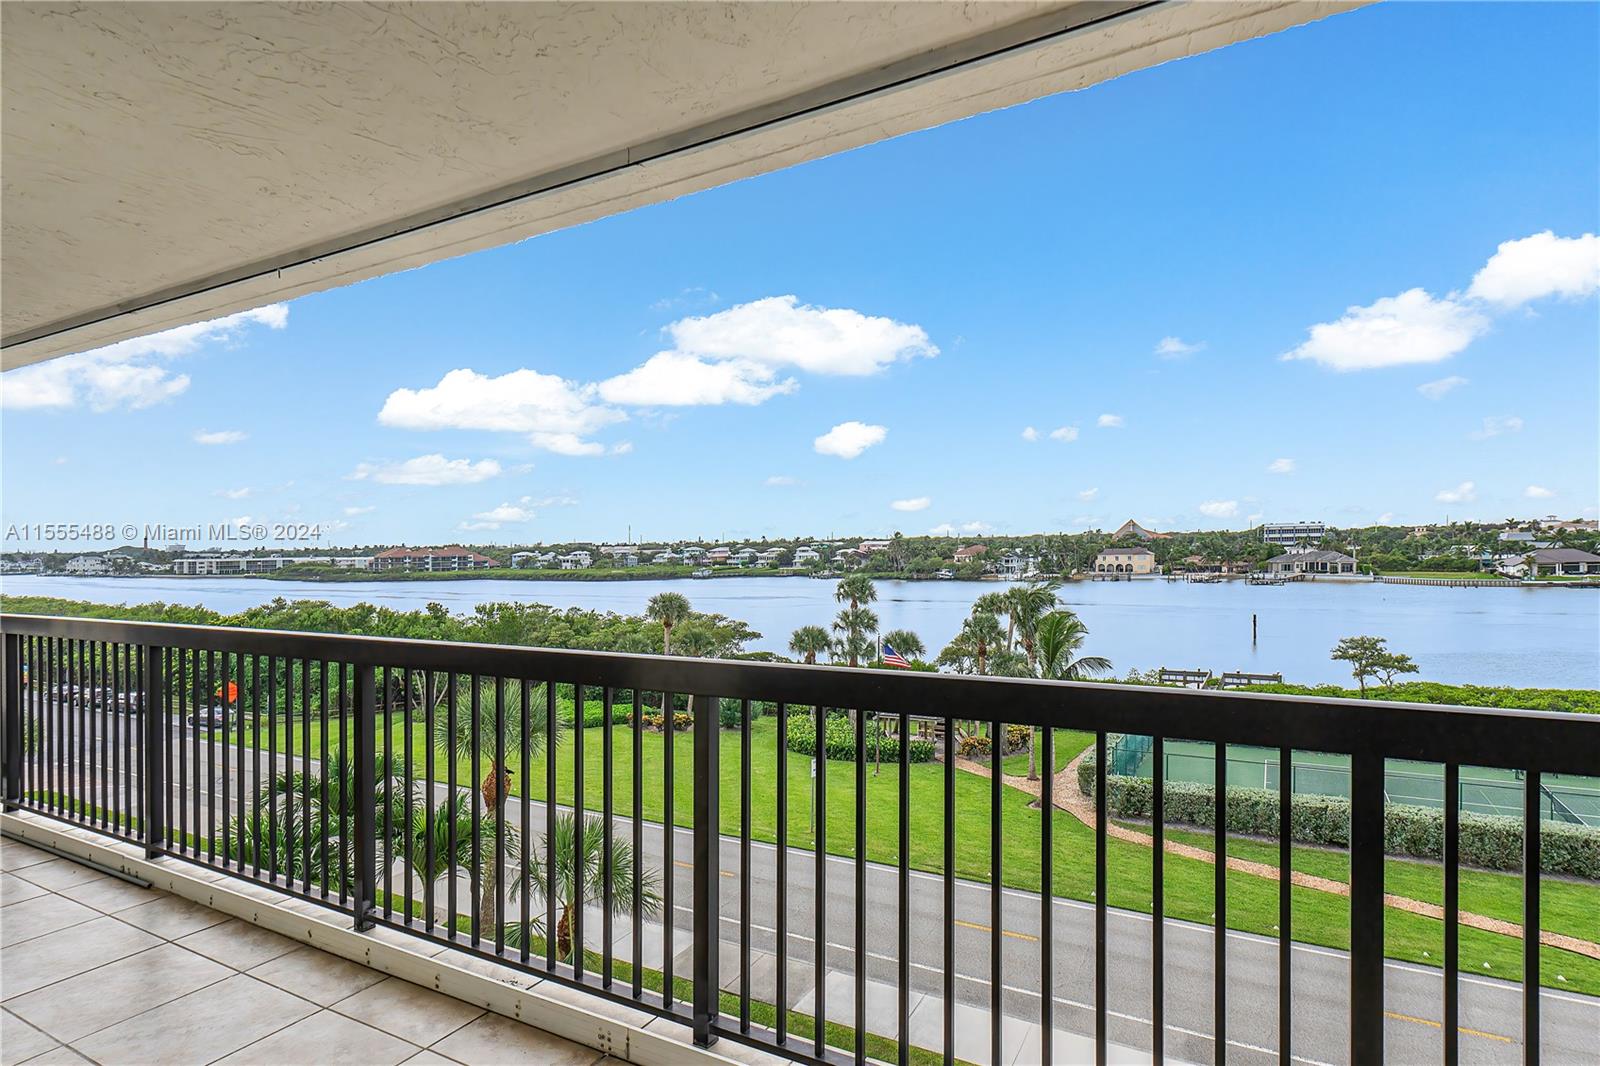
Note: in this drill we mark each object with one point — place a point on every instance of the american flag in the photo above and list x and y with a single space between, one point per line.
894 658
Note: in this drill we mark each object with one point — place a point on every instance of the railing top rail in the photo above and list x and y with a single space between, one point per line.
1549 741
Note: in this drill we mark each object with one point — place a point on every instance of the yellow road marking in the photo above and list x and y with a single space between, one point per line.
1440 1025
690 866
1003 932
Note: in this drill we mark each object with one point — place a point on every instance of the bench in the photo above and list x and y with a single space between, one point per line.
1197 678
1239 679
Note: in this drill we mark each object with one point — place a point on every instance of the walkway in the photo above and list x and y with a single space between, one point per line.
1067 797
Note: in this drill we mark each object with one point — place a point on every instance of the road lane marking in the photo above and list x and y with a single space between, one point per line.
990 929
1440 1025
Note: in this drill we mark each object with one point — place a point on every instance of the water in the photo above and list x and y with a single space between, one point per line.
1540 637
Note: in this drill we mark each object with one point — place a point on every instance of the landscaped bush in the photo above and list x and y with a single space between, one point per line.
1489 841
1576 701
594 713
681 721
840 740
1017 737
728 714
973 747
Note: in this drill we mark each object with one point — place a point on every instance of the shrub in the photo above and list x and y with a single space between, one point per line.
840 740
1017 737
594 713
728 714
1489 841
681 721
973 747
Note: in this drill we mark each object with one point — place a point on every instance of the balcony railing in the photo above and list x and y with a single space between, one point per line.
405 784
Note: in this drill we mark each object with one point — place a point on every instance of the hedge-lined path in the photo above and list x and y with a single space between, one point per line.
1068 798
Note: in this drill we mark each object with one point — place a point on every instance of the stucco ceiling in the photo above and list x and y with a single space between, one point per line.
168 162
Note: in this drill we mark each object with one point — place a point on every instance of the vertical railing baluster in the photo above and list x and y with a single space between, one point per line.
242 828
305 828
452 805
475 761
152 697
949 1035
997 738
745 876
272 765
14 714
578 827
1219 920
1285 912
1100 824
97 734
364 895
819 898
1366 908
551 729
607 801
638 845
903 903
211 757
430 874
782 917
227 789
1158 900
859 941
707 870
187 753
1532 865
525 787
255 759
1452 913
1047 897
322 780
500 785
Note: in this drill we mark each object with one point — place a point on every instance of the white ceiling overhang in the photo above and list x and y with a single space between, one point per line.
164 163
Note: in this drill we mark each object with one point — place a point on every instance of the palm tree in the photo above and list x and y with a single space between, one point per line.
855 590
561 886
997 604
1058 637
907 643
854 625
697 642
1026 604
496 783
808 642
668 608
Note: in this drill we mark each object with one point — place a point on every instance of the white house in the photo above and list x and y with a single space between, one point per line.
88 564
578 560
806 556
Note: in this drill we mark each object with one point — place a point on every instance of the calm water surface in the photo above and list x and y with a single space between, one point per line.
1548 637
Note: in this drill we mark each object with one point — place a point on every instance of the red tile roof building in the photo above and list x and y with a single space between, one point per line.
431 559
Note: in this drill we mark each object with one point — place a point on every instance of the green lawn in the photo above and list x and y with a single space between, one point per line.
1319 918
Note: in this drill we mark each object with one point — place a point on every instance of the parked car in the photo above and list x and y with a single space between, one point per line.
215 716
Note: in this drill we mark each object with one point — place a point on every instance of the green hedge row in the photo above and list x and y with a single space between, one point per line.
841 740
1488 841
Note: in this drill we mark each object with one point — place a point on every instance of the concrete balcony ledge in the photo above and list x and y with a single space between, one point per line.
559 1024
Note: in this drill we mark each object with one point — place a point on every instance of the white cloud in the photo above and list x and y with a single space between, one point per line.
1496 426
1176 348
234 494
1109 422
555 414
1538 492
1385 518
849 439
1029 433
917 503
674 379
1412 327
1088 494
221 436
1466 492
1435 390
781 481
477 527
1220 508
1542 265
507 512
353 511
1067 434
131 373
1281 466
947 529
428 470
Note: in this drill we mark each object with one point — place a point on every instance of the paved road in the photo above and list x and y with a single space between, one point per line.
1490 1010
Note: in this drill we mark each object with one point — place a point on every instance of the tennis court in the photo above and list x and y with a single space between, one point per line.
1484 790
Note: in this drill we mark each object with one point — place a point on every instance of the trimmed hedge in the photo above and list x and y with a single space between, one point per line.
1489 841
841 740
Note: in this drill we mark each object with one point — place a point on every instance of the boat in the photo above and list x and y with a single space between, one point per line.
702 572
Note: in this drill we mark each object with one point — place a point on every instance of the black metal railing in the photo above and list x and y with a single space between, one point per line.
441 789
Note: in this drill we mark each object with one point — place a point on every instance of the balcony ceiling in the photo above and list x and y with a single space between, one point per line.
164 163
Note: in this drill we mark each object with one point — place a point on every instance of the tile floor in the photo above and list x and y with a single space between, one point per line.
95 969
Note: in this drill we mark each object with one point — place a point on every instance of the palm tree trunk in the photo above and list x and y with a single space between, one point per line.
494 788
564 933
1033 754
666 640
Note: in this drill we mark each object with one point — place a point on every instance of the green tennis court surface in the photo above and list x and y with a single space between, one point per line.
1484 790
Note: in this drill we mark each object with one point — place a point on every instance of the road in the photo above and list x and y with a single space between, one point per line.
1490 1010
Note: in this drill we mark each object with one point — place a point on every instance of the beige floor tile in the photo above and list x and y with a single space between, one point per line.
316 975
14 889
493 1040
58 874
327 1039
20 1041
409 1011
84 1004
239 944
15 855
61 1056
172 917
40 915
200 1027
428 1058
66 953
111 894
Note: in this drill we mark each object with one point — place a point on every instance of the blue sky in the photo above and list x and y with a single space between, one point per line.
1367 243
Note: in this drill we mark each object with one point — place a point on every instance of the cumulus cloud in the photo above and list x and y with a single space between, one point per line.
555 414
1532 268
1538 492
1412 327
1496 426
916 503
521 511
1088 494
1029 434
130 374
1435 390
948 529
1109 421
1281 466
1067 434
428 470
1176 348
1220 508
1466 492
849 439
739 355
220 436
